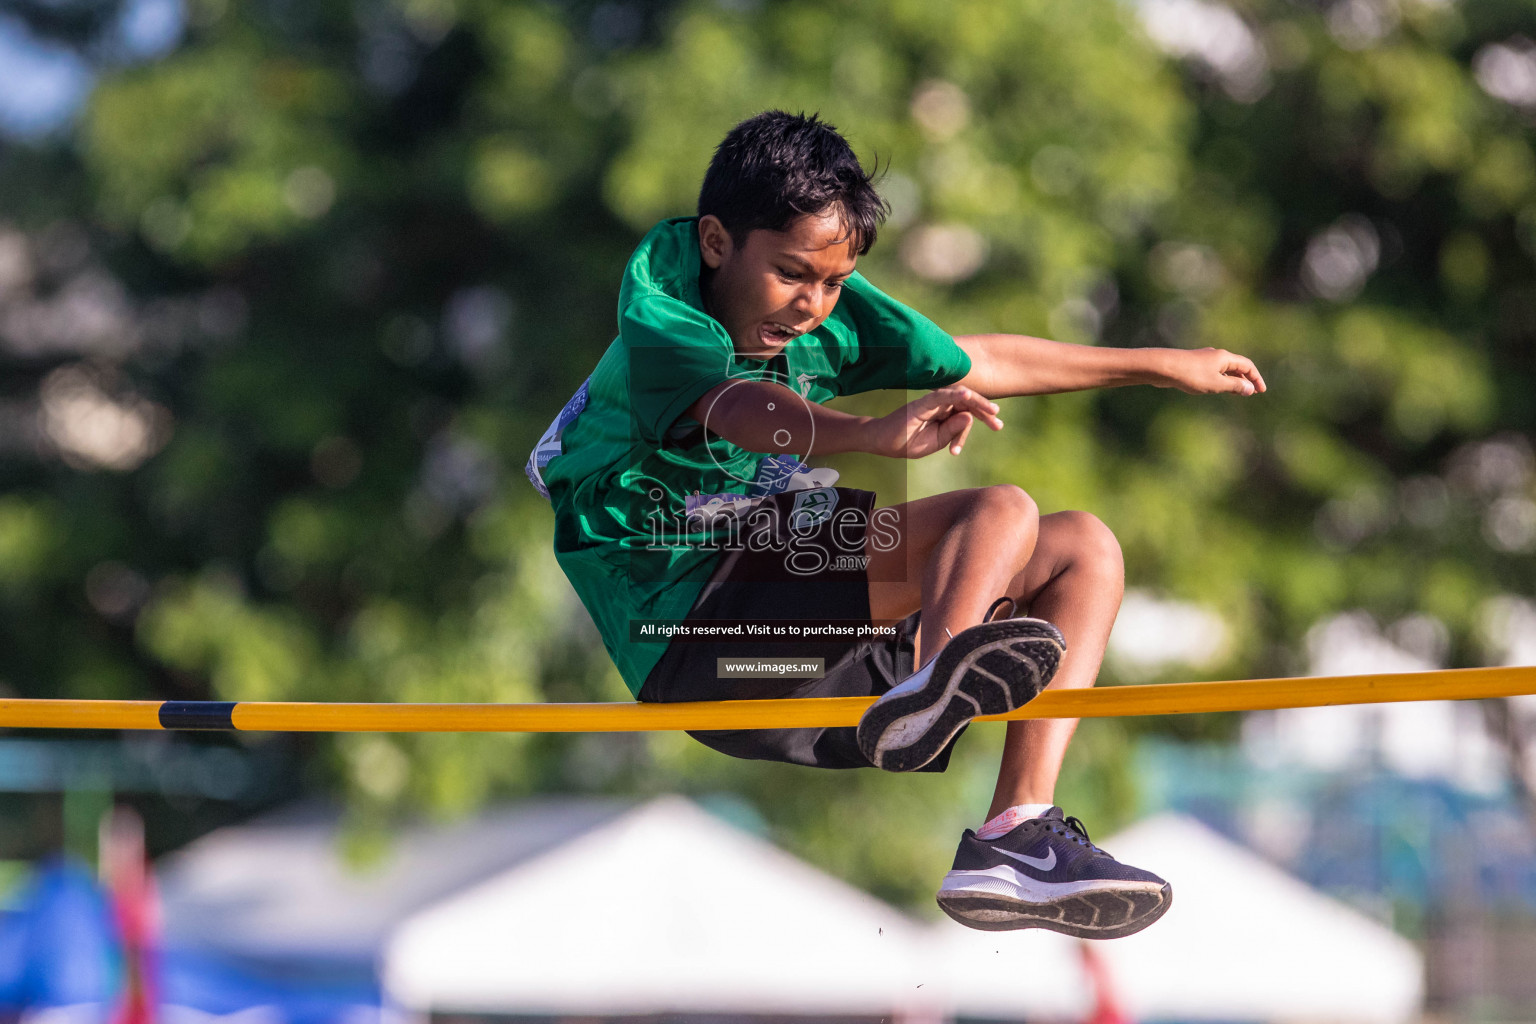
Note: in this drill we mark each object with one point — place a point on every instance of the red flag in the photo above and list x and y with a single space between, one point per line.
1106 1003
135 909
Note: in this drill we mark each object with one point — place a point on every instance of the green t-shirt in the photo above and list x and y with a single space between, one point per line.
621 461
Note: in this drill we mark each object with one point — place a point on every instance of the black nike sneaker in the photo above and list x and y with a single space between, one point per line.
1047 874
985 670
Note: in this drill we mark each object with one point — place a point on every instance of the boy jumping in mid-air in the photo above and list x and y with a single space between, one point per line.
679 495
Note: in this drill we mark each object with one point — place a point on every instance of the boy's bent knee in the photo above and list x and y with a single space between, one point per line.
1005 501
1008 512
1090 541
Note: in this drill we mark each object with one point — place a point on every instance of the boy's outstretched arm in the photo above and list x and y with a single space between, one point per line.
764 417
1006 365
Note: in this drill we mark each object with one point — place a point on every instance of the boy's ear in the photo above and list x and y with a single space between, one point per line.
715 243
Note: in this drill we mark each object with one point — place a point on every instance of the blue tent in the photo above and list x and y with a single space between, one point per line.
220 985
59 947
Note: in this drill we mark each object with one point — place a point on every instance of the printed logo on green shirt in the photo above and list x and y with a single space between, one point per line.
812 507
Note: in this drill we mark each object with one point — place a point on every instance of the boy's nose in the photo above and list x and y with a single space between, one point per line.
809 301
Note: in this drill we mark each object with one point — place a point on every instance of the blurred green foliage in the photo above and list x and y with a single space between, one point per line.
282 313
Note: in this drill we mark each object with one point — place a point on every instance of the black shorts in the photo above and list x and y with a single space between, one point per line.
766 581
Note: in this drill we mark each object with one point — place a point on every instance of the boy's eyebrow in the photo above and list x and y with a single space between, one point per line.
805 264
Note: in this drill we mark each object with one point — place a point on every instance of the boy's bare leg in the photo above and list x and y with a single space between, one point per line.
1075 580
957 554
962 550
1039 869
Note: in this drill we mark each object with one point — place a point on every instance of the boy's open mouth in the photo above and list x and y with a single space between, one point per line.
776 333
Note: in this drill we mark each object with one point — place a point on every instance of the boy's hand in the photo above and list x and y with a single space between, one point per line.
1211 371
940 419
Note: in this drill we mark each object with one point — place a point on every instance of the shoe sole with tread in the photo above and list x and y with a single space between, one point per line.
988 669
1099 914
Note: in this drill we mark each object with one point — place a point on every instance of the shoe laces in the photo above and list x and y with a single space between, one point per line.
1013 607
1076 831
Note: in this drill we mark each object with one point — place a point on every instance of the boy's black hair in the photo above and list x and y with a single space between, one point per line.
777 166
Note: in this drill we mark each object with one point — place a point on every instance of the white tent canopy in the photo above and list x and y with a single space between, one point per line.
282 887
579 907
664 909
668 909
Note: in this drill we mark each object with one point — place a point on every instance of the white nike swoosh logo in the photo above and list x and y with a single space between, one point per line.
1043 863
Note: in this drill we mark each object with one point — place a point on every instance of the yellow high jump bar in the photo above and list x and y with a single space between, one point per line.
625 716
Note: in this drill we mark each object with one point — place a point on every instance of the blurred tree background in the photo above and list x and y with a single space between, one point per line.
285 303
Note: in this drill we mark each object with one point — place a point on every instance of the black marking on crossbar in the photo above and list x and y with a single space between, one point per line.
198 714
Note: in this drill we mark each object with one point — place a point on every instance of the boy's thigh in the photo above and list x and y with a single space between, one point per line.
899 552
900 548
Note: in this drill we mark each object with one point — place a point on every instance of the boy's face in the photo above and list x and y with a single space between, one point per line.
778 284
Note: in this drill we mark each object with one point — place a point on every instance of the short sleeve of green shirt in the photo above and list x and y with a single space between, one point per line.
676 354
899 347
